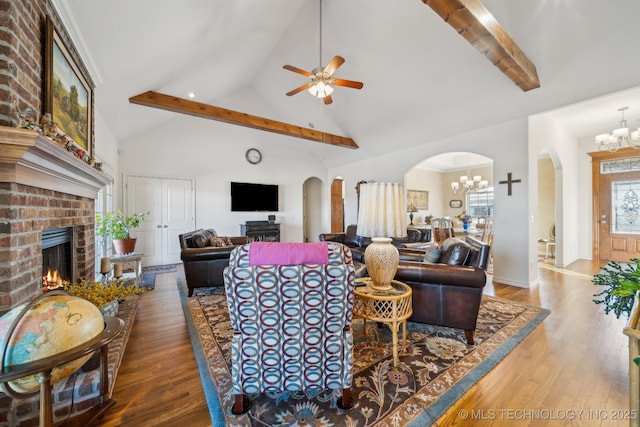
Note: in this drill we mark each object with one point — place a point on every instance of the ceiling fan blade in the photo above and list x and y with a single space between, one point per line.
348 83
299 89
297 70
327 100
333 65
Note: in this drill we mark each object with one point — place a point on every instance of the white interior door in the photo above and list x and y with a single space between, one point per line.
170 206
177 216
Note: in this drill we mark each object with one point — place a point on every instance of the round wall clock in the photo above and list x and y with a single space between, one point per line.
253 156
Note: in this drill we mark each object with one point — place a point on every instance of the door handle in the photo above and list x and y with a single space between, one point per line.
158 226
166 226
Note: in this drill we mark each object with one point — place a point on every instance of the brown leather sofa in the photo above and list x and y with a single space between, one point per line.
359 243
204 264
448 292
423 240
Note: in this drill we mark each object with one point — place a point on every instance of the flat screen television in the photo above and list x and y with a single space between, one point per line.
247 197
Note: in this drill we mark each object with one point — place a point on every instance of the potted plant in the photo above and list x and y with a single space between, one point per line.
620 295
117 226
465 218
622 283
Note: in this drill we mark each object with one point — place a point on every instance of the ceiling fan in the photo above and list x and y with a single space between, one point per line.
322 80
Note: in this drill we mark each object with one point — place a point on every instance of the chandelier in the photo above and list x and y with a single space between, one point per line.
618 137
469 184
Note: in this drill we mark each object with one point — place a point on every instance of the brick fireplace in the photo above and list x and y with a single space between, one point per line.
42 187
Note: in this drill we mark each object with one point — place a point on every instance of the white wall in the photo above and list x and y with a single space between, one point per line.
549 136
506 144
421 179
213 155
106 151
585 198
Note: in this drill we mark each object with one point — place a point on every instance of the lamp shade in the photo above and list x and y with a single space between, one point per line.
381 216
381 211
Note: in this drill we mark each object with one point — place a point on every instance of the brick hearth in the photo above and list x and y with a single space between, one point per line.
41 186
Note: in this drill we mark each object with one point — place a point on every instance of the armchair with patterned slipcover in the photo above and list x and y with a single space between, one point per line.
290 305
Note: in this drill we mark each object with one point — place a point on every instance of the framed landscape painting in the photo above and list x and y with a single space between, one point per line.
418 198
68 95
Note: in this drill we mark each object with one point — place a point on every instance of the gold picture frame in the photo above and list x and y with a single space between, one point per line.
68 95
419 199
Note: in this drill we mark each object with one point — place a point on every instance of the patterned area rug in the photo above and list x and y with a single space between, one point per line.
436 368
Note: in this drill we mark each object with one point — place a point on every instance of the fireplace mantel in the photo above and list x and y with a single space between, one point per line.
28 158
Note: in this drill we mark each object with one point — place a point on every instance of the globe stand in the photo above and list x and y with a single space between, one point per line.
44 367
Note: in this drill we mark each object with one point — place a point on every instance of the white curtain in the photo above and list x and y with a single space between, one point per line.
382 210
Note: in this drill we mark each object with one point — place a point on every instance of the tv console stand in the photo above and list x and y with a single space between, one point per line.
261 231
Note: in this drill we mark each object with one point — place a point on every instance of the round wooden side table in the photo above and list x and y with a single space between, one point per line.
392 307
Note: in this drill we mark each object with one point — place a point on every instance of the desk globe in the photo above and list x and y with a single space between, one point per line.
56 322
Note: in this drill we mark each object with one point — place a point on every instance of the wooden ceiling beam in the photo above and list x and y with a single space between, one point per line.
198 109
473 21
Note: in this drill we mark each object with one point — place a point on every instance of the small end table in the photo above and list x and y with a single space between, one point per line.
391 306
130 263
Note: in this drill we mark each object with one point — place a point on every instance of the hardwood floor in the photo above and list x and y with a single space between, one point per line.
158 383
571 370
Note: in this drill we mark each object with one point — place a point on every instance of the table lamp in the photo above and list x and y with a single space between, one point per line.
411 209
381 216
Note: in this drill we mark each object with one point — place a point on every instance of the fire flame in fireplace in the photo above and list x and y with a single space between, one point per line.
52 280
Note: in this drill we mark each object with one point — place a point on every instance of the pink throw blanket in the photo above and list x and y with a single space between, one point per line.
277 253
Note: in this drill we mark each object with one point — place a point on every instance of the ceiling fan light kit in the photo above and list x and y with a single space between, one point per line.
322 82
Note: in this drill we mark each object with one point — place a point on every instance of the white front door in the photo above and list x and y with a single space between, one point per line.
169 202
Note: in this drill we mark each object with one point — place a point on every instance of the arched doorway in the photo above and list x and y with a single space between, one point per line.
547 211
436 175
312 209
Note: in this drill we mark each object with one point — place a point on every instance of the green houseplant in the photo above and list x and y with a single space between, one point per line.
621 286
117 227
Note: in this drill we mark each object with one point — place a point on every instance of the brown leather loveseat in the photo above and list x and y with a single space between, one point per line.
204 264
448 291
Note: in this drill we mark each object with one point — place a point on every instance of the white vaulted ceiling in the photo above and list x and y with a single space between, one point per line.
422 81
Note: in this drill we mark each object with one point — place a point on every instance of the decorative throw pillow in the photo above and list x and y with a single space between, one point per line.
200 240
220 242
432 255
456 254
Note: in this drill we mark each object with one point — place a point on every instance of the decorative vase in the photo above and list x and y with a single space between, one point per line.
124 246
465 226
381 259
